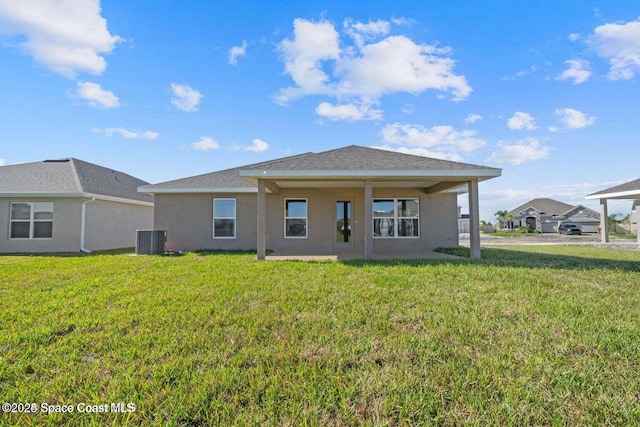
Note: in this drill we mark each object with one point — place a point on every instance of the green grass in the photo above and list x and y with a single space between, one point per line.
625 236
526 336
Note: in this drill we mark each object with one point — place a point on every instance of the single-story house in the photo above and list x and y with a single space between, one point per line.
546 215
355 200
69 205
627 191
463 221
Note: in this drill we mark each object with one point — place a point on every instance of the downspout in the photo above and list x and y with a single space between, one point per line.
83 224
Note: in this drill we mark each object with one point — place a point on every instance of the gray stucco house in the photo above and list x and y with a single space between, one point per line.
351 200
69 205
546 215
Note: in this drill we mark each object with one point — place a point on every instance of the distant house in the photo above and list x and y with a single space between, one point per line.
546 215
627 191
352 200
463 221
69 205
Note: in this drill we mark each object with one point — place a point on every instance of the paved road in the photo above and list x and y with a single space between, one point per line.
542 239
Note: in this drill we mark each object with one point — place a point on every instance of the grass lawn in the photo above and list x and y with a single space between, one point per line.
526 336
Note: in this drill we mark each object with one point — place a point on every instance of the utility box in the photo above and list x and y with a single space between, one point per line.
150 242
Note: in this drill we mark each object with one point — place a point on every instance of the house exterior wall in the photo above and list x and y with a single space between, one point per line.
66 227
113 225
188 219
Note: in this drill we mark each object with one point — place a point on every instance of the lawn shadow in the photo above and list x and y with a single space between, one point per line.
510 258
122 251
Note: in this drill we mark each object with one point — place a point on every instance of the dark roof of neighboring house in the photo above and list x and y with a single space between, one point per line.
544 205
631 188
578 209
69 176
351 158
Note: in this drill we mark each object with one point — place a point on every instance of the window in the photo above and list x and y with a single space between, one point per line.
31 220
295 218
343 221
224 218
396 218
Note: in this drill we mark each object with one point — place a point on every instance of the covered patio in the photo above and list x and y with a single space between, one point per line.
627 191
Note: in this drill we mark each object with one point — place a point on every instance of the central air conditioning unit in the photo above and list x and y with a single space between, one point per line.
150 242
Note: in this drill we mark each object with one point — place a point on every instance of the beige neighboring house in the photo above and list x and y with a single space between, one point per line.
352 200
627 191
69 205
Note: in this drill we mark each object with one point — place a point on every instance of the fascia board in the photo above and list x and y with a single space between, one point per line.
631 194
197 190
281 174
49 194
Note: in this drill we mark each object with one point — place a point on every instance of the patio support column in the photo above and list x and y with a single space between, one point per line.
474 219
261 230
368 220
604 216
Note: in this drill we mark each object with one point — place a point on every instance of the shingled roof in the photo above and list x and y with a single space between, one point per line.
544 205
70 177
348 161
628 189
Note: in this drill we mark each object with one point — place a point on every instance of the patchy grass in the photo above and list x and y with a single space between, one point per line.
526 336
625 236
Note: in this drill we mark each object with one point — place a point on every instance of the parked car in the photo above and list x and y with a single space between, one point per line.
569 229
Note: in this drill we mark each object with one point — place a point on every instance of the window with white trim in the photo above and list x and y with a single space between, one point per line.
396 218
295 218
31 220
224 218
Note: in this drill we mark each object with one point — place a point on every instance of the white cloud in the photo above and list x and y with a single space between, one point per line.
348 112
127 134
398 64
360 33
185 98
574 119
236 52
402 21
574 37
521 121
258 146
472 118
320 63
66 36
311 44
553 129
96 96
525 150
438 141
578 71
2 162
408 109
620 44
205 143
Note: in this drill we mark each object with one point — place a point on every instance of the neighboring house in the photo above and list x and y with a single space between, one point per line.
463 221
69 205
546 215
627 191
355 200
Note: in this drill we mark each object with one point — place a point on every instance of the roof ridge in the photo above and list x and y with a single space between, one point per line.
75 174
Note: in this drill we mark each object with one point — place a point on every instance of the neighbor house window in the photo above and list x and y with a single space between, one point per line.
31 220
295 218
224 218
396 218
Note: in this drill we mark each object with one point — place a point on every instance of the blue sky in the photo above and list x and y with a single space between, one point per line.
548 91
